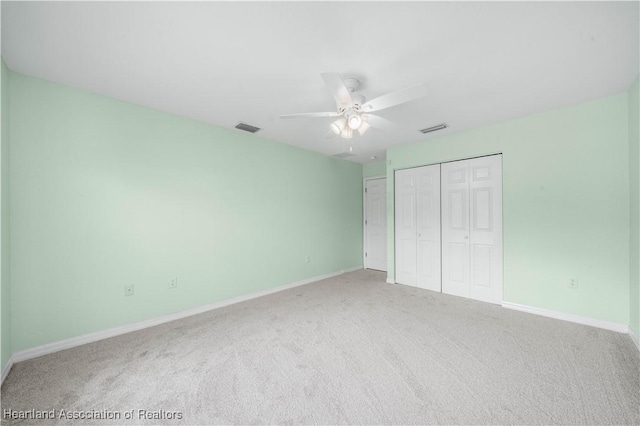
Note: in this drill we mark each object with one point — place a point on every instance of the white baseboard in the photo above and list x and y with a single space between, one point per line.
112 332
344 271
613 326
6 369
634 338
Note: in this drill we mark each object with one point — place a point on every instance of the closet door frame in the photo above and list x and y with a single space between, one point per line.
501 233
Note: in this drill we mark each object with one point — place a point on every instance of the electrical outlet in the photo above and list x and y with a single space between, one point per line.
307 259
173 283
573 282
128 290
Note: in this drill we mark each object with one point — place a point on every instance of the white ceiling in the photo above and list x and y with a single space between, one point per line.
223 62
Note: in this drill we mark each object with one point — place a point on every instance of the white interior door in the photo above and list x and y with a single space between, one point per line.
455 228
428 227
405 226
376 224
485 185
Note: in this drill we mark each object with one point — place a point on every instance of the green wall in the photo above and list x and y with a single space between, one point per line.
565 204
634 208
5 290
106 193
379 168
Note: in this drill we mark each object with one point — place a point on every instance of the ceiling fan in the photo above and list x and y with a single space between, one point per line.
353 112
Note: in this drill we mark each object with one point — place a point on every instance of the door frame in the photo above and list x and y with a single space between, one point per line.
364 216
392 280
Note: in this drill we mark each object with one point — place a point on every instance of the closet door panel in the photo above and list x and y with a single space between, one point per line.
486 228
405 226
455 228
428 227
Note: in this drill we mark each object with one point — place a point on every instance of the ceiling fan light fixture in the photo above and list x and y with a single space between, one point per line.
338 125
363 127
354 121
347 133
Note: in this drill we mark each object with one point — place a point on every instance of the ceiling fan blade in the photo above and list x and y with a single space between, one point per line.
380 123
311 115
395 98
337 88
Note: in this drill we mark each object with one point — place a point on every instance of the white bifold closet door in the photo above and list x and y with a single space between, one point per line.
417 218
472 228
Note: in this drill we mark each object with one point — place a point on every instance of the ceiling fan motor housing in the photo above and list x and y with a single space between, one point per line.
351 83
358 100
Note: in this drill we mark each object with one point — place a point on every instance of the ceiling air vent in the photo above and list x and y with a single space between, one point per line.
434 128
247 127
345 155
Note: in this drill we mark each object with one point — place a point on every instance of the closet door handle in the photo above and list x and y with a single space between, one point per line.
466 237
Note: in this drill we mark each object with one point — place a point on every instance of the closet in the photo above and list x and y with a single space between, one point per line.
448 227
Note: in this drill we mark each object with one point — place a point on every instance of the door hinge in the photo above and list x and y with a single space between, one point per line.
365 190
366 254
365 221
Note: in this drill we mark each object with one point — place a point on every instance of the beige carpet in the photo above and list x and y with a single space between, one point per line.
351 349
